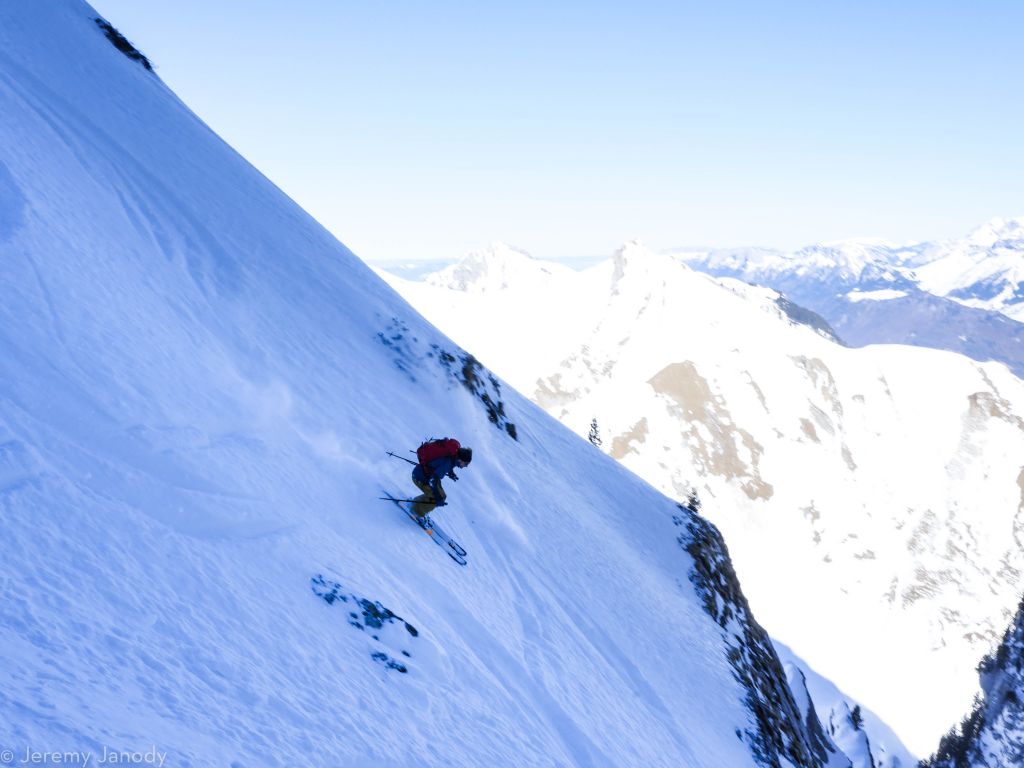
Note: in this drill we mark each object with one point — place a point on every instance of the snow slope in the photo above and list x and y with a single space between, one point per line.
872 498
859 733
198 385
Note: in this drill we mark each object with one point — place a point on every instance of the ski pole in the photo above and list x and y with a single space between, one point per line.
413 501
401 457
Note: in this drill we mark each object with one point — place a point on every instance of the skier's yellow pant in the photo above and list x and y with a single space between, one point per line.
425 503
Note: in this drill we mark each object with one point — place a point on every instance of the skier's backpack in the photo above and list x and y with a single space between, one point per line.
435 449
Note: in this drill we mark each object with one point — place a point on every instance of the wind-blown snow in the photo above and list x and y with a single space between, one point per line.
198 385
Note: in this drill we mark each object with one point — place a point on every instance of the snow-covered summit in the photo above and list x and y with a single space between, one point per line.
494 268
984 270
997 232
634 265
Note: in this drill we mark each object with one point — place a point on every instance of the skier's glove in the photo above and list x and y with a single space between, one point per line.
453 476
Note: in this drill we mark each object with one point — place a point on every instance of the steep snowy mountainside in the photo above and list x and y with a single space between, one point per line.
992 735
198 385
881 485
856 731
771 301
875 293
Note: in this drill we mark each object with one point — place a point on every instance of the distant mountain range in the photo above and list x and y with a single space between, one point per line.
964 295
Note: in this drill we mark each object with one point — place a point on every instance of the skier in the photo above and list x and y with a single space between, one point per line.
437 459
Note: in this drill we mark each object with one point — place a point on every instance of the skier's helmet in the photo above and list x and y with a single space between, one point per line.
465 455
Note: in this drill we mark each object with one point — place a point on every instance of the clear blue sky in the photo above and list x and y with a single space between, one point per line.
423 130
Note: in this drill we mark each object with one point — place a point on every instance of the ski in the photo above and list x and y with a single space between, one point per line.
428 525
442 539
455 546
437 533
440 533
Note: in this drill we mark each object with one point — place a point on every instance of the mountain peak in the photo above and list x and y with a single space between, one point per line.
633 257
995 231
499 251
636 245
493 268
